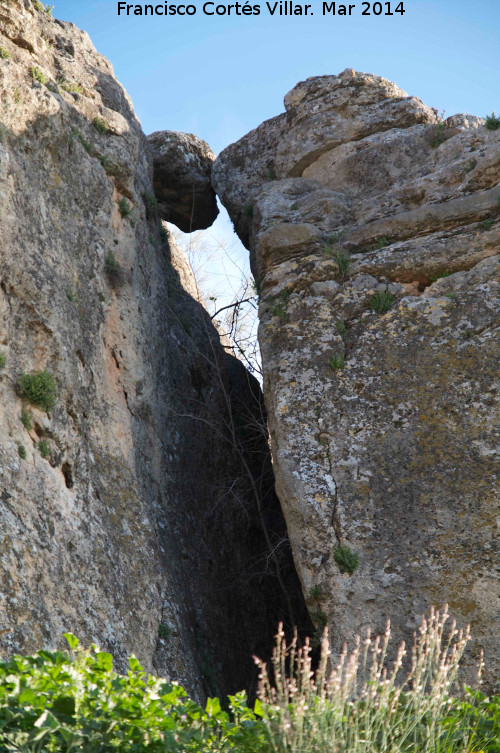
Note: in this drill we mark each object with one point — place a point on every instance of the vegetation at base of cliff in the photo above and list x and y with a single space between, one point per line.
59 702
39 389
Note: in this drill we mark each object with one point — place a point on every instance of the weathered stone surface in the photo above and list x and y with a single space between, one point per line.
141 515
322 114
394 455
182 165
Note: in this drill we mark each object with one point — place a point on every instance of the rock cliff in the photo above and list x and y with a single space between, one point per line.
374 230
131 442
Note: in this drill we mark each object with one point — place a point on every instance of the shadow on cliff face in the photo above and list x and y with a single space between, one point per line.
240 578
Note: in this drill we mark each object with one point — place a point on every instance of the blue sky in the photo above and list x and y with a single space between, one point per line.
220 77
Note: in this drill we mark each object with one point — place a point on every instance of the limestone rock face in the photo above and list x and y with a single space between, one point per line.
125 515
376 240
182 165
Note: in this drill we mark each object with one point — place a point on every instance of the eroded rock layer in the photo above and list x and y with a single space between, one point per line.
127 511
375 233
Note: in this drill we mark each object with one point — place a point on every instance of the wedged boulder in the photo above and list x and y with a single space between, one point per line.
322 113
182 165
374 229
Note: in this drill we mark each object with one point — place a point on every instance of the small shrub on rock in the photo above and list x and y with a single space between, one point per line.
101 126
114 272
346 559
492 122
39 389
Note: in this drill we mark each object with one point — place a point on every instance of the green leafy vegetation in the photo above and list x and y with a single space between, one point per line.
38 75
101 126
470 165
248 210
69 86
346 559
381 302
315 592
381 243
341 328
113 270
336 362
39 389
487 224
438 136
87 145
151 204
41 8
492 122
294 207
3 360
271 174
70 295
74 702
440 276
165 632
26 418
164 233
343 261
4 54
124 207
21 449
44 449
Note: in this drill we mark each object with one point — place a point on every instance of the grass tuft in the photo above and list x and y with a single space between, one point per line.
382 302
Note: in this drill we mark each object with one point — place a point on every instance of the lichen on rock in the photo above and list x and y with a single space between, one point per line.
381 223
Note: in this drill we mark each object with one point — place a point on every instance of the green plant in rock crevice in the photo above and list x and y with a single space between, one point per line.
4 54
125 208
3 360
101 126
21 449
26 418
337 362
43 448
381 302
343 261
113 270
346 559
38 75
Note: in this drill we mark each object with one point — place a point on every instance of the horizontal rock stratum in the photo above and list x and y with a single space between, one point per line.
374 230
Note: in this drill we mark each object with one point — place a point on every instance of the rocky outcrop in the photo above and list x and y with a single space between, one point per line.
182 166
128 508
375 232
